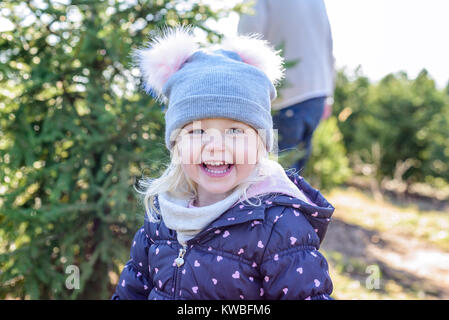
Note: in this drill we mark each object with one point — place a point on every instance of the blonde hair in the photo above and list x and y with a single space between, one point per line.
174 181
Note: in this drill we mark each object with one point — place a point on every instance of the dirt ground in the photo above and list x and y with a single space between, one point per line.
414 265
411 264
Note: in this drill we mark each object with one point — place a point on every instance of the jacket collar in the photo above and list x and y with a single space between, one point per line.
318 214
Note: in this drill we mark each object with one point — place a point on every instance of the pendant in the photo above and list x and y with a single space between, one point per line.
179 261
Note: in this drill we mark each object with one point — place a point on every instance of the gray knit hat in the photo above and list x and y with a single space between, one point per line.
235 81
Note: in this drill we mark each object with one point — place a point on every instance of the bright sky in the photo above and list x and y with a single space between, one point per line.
385 36
390 35
382 36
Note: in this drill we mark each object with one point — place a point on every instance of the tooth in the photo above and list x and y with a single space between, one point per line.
215 163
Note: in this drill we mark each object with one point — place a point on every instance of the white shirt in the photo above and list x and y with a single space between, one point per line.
303 27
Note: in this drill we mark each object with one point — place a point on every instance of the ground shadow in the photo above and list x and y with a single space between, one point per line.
406 199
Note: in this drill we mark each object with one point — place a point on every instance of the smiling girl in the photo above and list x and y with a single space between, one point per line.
223 221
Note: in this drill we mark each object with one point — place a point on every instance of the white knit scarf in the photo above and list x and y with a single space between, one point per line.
189 221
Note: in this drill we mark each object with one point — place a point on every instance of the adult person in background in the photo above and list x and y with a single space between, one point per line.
301 29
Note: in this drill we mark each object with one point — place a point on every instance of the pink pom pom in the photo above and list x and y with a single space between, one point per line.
164 55
257 52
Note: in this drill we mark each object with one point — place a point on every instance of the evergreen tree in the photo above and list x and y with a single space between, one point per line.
75 130
405 119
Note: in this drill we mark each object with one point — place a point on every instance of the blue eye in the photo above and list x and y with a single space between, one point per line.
196 131
236 131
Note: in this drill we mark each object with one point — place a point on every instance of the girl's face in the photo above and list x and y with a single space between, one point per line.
230 144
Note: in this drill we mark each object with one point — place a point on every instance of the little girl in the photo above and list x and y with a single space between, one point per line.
223 221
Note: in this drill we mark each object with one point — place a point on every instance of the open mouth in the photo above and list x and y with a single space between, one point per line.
217 171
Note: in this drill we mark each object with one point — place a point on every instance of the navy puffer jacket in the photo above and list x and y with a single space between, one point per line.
249 252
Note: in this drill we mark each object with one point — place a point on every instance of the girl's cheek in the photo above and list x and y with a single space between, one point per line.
238 151
189 152
189 170
243 171
244 150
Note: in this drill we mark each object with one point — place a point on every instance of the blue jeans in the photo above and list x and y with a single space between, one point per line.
296 124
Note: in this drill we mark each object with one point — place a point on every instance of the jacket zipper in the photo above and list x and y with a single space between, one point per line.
179 261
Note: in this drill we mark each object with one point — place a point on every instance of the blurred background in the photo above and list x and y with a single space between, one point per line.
76 131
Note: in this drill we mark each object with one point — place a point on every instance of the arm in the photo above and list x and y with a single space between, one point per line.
134 283
331 59
292 267
331 53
